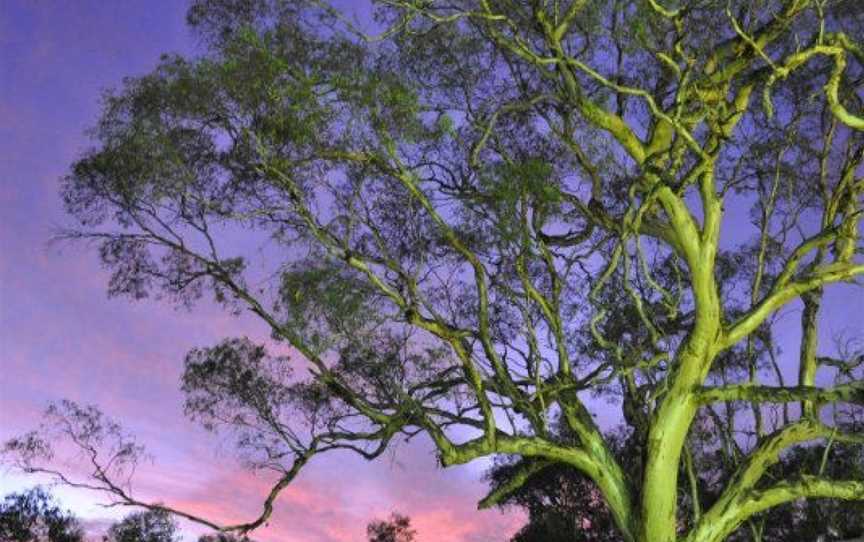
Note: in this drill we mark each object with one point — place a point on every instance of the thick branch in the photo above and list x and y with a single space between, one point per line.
846 393
750 503
513 483
779 296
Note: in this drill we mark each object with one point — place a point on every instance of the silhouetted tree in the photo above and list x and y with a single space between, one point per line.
562 503
396 529
147 526
486 215
223 537
34 516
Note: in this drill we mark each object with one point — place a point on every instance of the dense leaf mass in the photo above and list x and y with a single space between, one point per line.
33 516
149 526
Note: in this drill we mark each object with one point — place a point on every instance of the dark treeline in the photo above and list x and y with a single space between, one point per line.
562 506
35 515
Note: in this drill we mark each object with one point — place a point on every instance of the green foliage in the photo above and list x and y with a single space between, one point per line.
517 189
445 125
322 302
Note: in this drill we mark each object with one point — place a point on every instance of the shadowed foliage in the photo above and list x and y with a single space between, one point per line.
147 526
33 516
396 529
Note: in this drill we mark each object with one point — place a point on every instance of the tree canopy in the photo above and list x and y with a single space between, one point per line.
396 529
146 526
34 516
470 218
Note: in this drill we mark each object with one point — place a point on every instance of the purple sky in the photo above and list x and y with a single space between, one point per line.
60 336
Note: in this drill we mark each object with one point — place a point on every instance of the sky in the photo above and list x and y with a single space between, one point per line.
62 337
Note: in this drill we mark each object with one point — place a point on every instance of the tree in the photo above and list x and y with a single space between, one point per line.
484 214
147 526
222 537
396 529
563 504
33 516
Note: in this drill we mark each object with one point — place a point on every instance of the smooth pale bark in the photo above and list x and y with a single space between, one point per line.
672 420
750 503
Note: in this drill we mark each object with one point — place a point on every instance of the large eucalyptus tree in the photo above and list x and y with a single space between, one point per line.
484 213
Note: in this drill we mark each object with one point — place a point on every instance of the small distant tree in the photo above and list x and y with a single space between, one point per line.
34 516
223 537
396 529
148 526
